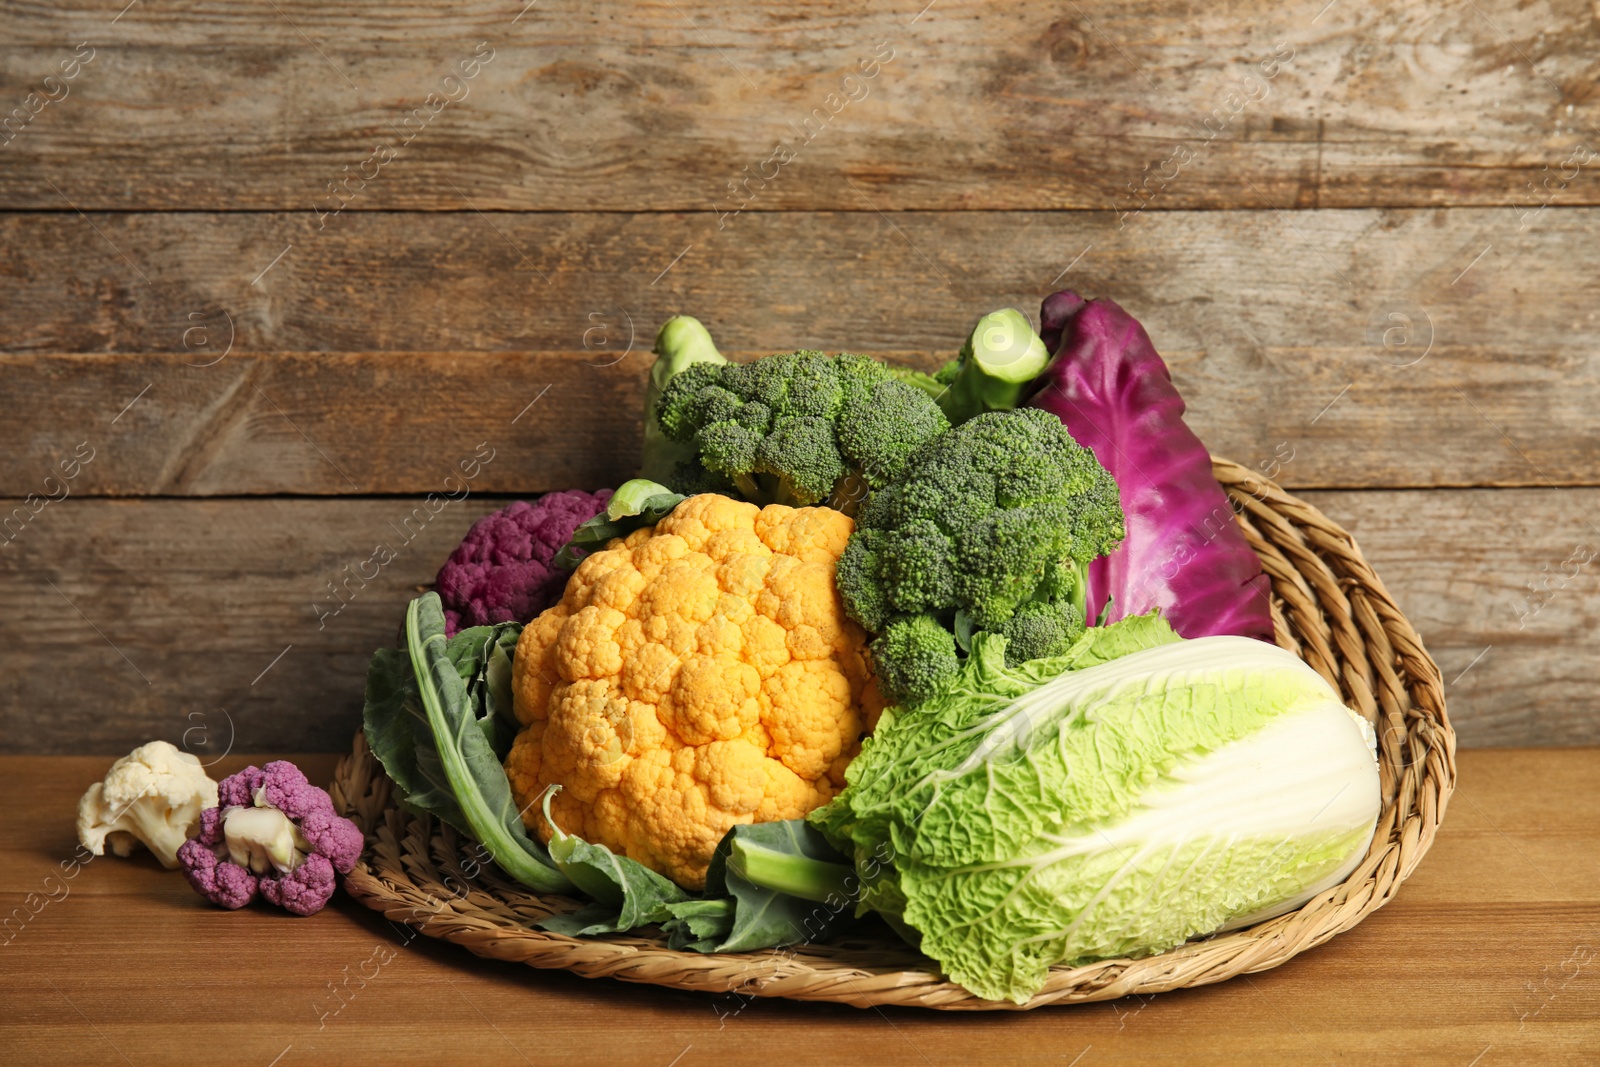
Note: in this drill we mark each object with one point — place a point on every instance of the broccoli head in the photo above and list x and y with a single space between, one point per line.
798 428
913 657
997 519
1041 628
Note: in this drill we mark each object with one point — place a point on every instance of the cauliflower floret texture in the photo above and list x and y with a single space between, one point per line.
153 795
695 676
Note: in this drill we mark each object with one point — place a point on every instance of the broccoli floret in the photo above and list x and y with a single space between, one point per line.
813 388
754 416
727 447
913 657
858 374
798 428
1001 514
679 406
714 404
801 452
883 426
856 576
1004 558
879 508
1041 629
918 567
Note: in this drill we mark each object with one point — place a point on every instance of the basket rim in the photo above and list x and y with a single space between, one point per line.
411 869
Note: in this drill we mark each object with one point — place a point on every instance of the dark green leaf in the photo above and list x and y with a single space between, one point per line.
613 523
482 656
497 688
391 705
699 925
627 894
455 759
764 917
964 626
587 921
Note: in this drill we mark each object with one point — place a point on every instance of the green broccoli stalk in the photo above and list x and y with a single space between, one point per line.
799 429
682 342
935 385
990 527
1001 358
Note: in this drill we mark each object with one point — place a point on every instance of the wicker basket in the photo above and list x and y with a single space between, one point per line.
1328 607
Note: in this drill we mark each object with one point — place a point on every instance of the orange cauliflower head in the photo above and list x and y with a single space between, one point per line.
695 676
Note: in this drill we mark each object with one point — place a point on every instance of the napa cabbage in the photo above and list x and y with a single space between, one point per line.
1120 800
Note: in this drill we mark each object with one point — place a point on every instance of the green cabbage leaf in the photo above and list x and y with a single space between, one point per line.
1119 800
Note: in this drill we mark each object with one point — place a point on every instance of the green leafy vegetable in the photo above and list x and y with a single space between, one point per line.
434 720
390 724
626 893
482 657
1118 800
808 889
700 925
635 504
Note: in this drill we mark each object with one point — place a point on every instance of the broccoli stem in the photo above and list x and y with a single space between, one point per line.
792 873
763 489
1001 357
748 488
681 343
1080 589
848 493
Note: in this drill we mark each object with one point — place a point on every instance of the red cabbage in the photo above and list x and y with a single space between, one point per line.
1184 553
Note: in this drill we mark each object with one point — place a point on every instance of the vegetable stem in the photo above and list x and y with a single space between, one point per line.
1080 589
792 873
438 683
1001 358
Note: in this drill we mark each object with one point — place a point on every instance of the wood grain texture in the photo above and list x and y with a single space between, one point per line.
1379 348
181 610
167 613
322 423
1488 951
659 106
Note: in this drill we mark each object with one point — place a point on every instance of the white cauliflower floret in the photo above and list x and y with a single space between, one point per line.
154 794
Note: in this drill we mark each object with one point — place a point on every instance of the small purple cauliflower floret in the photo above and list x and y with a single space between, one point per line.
303 890
272 833
502 571
225 884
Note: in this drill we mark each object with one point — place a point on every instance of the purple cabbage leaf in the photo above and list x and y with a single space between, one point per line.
1183 552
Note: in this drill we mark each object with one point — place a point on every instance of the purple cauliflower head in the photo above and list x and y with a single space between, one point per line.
503 571
275 834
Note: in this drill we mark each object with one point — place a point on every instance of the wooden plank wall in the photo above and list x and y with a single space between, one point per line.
262 291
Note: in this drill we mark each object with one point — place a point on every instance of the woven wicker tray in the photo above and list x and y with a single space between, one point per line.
1329 608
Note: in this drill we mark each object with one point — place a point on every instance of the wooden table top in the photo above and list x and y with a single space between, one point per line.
1489 956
